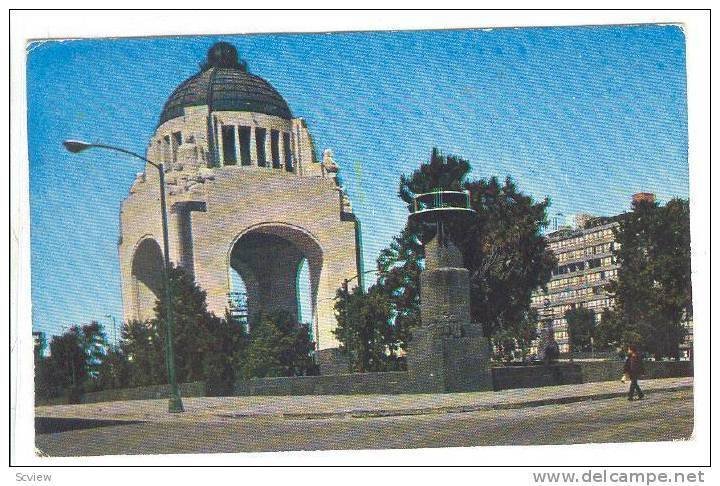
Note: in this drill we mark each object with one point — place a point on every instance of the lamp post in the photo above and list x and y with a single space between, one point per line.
346 282
175 404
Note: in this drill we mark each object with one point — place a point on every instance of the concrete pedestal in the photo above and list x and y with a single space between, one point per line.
448 353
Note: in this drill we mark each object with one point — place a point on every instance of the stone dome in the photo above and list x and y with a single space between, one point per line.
224 84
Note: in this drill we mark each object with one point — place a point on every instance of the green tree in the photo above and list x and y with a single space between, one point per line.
653 290
504 248
193 325
67 365
75 359
611 334
94 344
142 348
278 346
581 327
114 370
43 384
366 335
227 342
515 339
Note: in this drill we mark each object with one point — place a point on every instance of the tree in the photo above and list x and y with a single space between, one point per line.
581 328
516 339
653 290
74 362
227 342
611 333
191 324
43 382
114 370
66 364
278 346
140 347
504 249
94 344
366 335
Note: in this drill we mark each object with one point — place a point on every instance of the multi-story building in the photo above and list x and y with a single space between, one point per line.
585 266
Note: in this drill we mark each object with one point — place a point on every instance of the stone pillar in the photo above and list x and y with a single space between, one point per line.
238 145
281 149
295 144
253 147
268 148
219 143
448 352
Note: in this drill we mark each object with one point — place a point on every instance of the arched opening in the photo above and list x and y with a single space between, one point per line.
237 299
278 268
147 267
303 290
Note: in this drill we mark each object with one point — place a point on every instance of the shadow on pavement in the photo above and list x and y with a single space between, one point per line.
52 425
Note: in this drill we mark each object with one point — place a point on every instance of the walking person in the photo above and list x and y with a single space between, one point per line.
634 369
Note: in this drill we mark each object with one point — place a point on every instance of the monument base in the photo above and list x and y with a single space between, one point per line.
448 352
449 357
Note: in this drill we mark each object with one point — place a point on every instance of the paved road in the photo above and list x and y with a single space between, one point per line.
661 416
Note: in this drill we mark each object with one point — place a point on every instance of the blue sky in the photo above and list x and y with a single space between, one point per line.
587 116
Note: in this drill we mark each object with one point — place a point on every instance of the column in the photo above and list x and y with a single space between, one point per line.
238 145
297 148
219 142
268 148
253 148
281 149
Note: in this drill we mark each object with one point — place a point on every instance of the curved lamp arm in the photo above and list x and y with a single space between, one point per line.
76 146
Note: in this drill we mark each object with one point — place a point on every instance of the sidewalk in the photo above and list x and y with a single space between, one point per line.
210 409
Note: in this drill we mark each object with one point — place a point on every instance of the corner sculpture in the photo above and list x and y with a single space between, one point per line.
448 352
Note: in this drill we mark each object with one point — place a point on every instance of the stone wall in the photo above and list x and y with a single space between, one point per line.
612 370
193 389
395 382
507 377
391 382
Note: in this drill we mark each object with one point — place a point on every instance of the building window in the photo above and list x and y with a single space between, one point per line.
166 149
176 142
275 148
228 143
260 134
288 152
245 145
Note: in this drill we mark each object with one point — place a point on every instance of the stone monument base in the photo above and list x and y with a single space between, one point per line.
448 352
449 358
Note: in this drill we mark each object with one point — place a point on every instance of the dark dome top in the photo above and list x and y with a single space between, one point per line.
224 84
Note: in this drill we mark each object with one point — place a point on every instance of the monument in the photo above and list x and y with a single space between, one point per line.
250 205
448 352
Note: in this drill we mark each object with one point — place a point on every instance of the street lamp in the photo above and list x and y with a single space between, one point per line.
76 146
346 282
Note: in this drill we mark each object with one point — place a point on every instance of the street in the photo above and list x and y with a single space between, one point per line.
660 417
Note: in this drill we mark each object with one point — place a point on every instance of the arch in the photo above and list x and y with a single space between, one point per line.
303 286
147 277
268 256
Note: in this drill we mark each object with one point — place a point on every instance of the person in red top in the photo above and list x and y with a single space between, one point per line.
634 369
